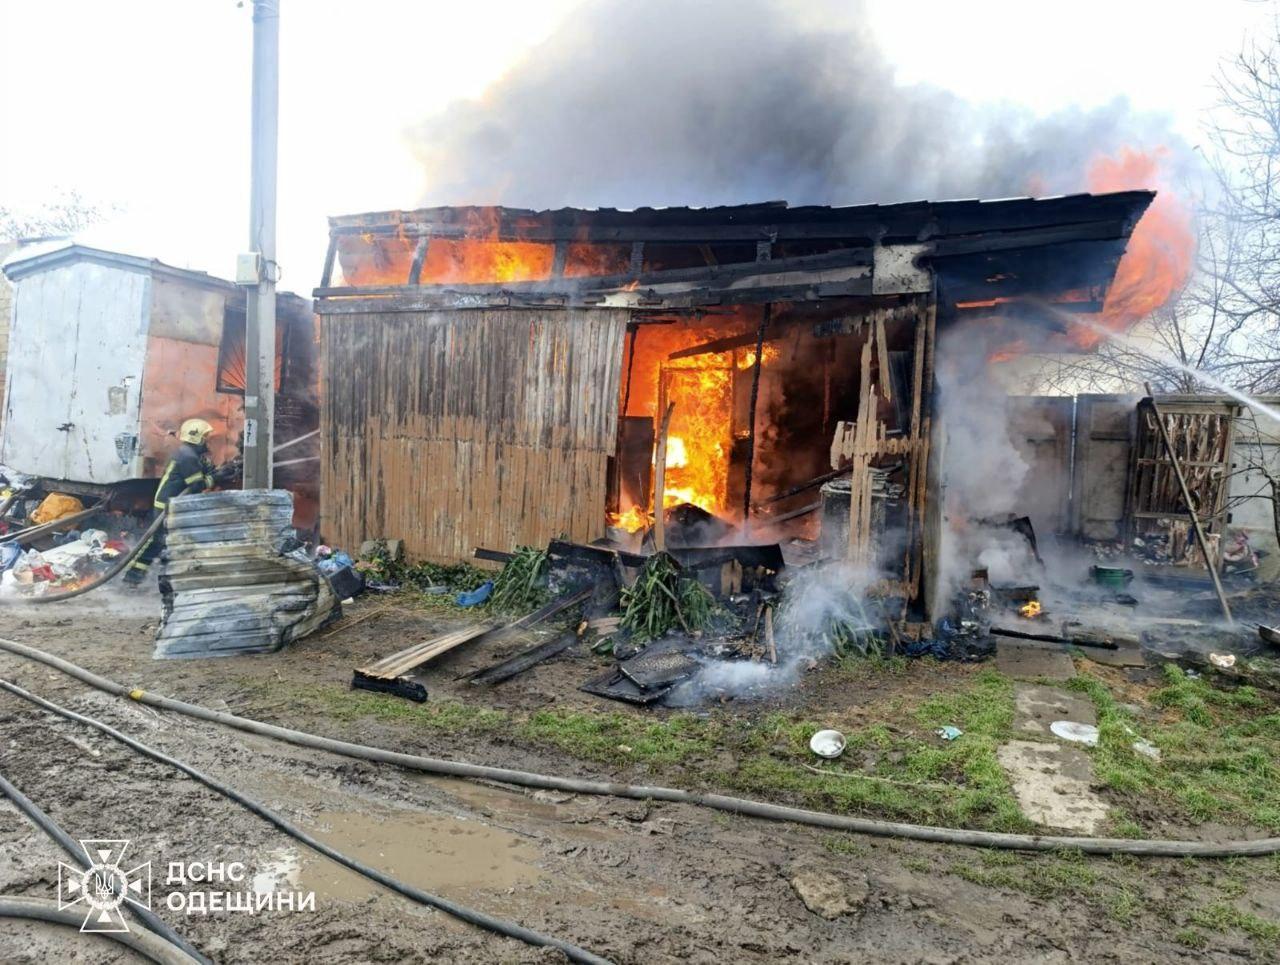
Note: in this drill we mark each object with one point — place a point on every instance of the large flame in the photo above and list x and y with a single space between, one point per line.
701 434
481 257
677 454
633 520
1154 268
1159 257
708 392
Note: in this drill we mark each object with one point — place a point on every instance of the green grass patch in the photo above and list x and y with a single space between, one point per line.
1191 938
844 844
1103 884
886 772
1220 750
1223 917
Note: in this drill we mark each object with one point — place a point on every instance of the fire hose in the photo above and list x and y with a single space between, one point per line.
181 950
719 802
145 943
470 915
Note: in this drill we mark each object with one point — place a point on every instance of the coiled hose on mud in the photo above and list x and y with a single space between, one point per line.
470 915
145 943
719 802
68 844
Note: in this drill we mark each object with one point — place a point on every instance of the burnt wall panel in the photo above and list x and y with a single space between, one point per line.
1104 433
457 429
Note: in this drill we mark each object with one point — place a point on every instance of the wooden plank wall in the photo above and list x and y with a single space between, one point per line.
457 429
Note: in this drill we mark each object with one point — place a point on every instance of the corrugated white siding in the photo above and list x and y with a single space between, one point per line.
76 353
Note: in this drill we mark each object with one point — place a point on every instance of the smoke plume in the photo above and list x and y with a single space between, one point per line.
732 101
984 472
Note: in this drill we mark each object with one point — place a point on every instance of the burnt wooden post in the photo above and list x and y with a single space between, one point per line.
419 257
751 412
660 482
326 276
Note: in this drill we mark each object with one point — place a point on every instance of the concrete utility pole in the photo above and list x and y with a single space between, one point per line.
260 315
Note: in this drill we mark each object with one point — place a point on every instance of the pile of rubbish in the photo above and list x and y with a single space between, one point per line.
56 544
73 561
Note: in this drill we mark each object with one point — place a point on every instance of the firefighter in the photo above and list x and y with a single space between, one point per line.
189 471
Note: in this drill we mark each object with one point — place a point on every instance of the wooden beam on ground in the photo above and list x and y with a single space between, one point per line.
522 661
400 663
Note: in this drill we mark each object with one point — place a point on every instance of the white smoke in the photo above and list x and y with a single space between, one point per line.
983 472
813 603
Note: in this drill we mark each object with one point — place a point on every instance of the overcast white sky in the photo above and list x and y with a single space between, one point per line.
145 103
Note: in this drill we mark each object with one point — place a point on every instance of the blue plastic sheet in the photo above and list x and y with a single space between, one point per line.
477 596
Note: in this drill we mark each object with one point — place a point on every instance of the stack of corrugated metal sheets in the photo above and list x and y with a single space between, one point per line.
230 583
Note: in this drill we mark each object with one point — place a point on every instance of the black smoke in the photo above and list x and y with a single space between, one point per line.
702 102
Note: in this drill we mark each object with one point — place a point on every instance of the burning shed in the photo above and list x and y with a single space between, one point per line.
496 376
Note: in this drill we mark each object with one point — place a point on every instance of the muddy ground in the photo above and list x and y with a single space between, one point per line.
633 881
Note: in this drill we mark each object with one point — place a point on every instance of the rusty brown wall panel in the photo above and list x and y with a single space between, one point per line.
452 430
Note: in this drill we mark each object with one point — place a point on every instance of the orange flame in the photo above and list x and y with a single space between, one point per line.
1155 266
769 354
698 456
481 257
677 456
633 520
1031 610
1158 260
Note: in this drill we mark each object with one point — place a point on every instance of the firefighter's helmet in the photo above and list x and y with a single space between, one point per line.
195 431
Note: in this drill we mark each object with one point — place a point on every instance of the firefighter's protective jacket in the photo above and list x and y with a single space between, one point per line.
189 470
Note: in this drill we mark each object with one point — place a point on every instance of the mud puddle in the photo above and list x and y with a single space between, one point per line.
552 809
441 854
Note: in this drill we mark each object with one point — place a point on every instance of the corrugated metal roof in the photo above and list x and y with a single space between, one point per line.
34 259
939 218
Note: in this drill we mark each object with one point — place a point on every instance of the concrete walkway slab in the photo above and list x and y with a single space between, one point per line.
1126 655
1052 785
1030 660
1037 706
